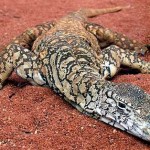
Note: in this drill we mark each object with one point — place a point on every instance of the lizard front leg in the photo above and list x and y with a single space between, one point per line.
25 40
113 57
25 62
107 37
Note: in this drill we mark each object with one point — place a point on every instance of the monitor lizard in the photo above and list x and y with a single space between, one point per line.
76 58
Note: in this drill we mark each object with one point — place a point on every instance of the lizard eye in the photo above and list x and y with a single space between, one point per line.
121 105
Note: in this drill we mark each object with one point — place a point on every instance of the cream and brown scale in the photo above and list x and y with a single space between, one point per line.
107 37
75 58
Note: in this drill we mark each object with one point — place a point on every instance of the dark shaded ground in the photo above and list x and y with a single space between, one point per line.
36 118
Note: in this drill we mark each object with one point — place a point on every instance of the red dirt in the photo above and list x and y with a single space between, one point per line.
34 118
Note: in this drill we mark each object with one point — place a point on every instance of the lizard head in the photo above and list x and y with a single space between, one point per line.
127 107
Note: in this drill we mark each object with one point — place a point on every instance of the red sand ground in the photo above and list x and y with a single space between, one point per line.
34 118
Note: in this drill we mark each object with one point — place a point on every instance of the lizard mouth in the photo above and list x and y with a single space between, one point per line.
134 125
141 130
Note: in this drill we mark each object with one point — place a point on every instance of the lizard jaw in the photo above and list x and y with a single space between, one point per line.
135 126
141 129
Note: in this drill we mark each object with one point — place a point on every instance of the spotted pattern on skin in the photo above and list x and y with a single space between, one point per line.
75 58
110 37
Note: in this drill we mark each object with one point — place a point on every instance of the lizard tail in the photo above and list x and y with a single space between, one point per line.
95 12
85 13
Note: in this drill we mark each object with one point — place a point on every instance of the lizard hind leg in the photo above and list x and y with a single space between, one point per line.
24 62
107 37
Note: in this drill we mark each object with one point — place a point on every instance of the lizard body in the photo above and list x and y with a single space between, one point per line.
75 58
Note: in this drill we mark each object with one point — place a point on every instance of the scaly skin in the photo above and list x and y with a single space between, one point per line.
75 58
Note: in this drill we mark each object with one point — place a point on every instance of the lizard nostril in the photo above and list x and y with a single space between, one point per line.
121 105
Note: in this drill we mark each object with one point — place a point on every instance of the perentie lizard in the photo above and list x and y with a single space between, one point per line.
75 58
